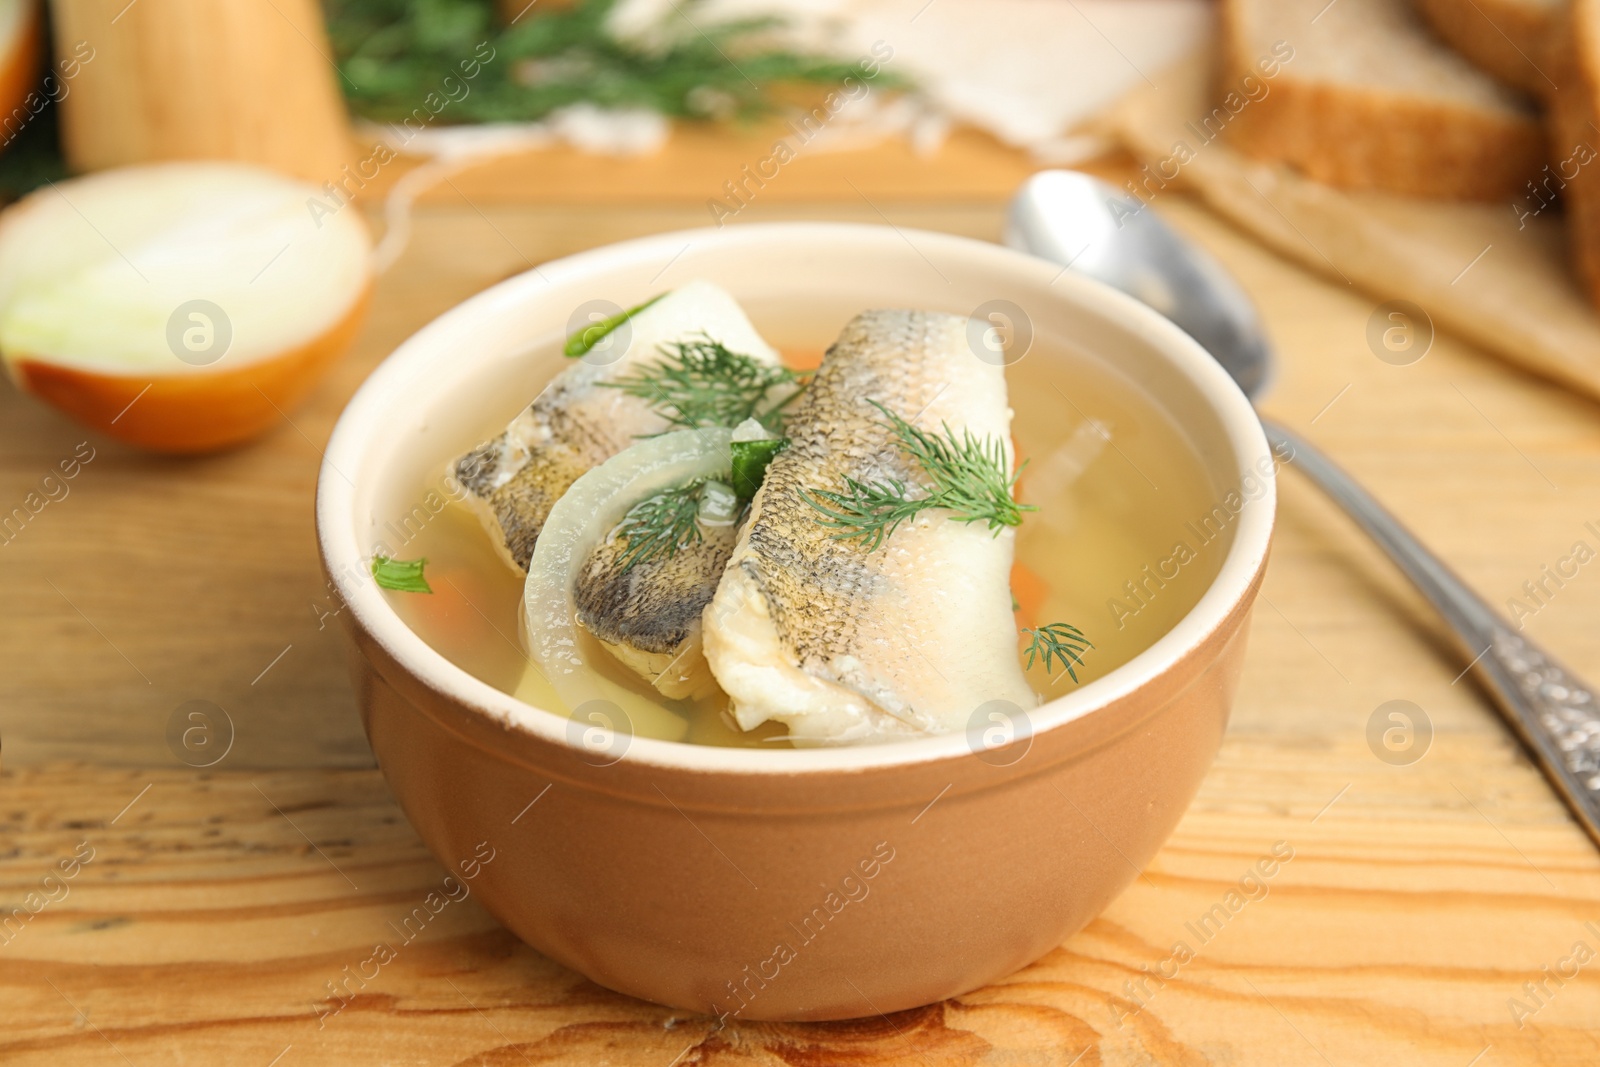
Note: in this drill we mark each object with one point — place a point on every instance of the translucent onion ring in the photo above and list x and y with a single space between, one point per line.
583 517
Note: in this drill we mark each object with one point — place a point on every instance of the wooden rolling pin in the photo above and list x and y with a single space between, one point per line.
250 80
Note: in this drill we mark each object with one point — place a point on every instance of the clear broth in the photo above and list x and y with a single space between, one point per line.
1119 547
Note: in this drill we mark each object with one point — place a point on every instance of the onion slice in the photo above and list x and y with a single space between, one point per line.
583 517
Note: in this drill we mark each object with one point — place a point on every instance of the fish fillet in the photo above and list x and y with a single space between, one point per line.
648 616
576 423
846 645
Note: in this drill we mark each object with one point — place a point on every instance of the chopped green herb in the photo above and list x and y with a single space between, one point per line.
1060 641
969 476
401 575
660 525
750 459
585 339
703 383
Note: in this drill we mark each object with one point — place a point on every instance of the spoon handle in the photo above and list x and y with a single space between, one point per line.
1551 708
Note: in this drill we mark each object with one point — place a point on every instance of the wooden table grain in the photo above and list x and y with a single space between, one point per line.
1436 911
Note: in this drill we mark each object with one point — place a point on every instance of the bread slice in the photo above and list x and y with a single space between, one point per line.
1509 39
1575 139
1519 301
1358 94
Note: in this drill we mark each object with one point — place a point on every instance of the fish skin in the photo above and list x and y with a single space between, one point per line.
573 426
648 615
846 645
576 423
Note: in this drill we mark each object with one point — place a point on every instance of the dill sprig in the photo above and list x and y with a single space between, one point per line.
970 478
660 525
1058 640
870 511
701 382
970 474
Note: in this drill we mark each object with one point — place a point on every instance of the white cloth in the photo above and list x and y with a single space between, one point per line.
1027 71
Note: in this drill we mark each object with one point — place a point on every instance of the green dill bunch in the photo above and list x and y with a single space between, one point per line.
701 382
392 54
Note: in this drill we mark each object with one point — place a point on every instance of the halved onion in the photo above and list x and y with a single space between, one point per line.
583 517
181 307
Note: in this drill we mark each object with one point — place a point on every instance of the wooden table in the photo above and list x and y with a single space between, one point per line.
219 902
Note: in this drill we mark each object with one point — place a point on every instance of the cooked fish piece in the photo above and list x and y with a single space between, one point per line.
576 423
646 610
849 645
648 616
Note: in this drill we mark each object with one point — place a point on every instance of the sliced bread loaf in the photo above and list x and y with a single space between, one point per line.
1509 39
1367 98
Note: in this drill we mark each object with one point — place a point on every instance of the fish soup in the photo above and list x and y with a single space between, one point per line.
1128 532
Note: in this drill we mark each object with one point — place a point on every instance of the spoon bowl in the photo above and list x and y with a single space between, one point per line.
1089 225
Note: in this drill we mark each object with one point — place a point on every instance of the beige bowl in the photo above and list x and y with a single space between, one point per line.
789 884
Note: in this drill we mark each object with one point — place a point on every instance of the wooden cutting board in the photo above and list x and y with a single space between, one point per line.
216 904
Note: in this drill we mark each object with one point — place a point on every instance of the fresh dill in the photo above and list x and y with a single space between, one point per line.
701 382
970 478
868 511
1058 640
458 60
661 525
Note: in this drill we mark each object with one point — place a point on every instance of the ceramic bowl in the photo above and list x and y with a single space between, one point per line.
789 884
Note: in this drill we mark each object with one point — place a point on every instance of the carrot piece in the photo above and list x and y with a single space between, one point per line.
801 358
1029 590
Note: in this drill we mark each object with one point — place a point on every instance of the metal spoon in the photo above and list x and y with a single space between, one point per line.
1081 222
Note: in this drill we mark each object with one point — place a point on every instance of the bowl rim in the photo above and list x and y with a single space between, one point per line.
361 422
